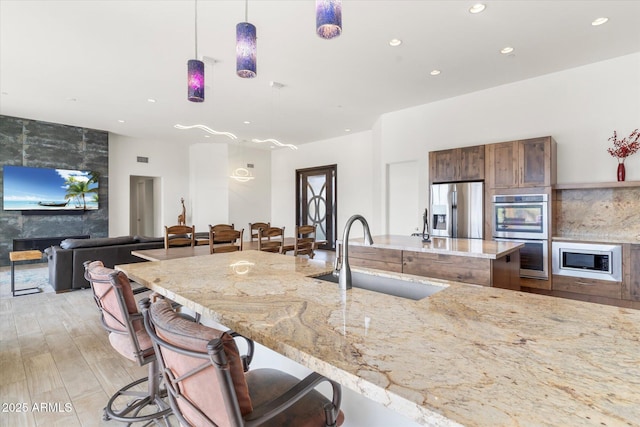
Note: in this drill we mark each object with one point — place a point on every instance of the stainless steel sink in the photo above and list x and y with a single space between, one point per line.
388 285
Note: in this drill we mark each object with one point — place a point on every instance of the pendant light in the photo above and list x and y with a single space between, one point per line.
328 18
246 46
195 70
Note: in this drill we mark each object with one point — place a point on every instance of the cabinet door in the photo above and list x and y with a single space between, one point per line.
634 277
444 165
535 162
502 165
472 163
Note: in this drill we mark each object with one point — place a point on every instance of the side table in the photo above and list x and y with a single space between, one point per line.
22 256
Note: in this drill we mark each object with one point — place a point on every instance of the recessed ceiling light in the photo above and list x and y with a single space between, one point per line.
151 100
599 21
207 136
477 8
120 121
506 50
395 42
347 130
435 72
247 122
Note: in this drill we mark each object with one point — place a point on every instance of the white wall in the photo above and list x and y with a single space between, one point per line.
580 108
208 191
169 164
250 201
353 156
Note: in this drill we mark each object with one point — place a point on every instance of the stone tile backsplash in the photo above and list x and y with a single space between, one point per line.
608 214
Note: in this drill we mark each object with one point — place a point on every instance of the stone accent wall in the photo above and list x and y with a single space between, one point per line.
25 142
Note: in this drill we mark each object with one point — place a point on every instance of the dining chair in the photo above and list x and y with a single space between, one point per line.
225 240
271 239
207 385
179 235
305 240
120 318
255 227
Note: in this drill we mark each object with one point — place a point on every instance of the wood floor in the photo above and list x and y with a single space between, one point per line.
57 367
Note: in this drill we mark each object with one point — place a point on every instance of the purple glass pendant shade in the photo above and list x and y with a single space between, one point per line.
195 80
246 50
328 18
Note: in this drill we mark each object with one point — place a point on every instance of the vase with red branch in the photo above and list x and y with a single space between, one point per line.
623 148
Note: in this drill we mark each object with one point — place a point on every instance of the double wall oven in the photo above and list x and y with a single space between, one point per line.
523 218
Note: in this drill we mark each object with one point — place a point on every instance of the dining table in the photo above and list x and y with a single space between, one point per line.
163 254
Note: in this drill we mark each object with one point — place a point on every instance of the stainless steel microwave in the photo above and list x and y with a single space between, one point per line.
592 261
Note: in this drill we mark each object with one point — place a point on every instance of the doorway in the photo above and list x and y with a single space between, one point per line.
142 214
316 202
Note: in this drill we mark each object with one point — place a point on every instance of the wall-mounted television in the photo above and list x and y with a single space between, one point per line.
27 189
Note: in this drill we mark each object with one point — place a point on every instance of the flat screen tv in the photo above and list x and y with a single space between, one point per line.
26 189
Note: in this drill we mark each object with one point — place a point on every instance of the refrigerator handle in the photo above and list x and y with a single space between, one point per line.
454 214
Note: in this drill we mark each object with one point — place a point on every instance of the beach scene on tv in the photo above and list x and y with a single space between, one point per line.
28 188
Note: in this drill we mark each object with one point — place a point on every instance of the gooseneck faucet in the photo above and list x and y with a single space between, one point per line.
341 266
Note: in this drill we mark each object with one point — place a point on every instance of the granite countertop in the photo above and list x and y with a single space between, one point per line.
604 239
467 355
474 248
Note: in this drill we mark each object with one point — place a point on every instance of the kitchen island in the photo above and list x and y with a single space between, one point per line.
475 261
467 355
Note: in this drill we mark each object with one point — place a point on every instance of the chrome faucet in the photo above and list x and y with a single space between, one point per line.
341 266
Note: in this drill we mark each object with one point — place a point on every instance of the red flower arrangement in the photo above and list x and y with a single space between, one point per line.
623 148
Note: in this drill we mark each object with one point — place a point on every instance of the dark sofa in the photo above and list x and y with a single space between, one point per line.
66 269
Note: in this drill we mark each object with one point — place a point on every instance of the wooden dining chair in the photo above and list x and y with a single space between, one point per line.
179 235
305 240
271 239
204 238
225 240
255 227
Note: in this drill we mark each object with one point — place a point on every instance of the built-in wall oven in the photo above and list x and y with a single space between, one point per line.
524 219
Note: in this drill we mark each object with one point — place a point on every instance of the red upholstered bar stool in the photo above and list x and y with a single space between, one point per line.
207 386
127 335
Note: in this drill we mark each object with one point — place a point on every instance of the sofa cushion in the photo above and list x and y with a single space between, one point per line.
147 239
100 241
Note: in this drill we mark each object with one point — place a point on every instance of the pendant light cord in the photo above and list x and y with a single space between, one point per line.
246 10
196 26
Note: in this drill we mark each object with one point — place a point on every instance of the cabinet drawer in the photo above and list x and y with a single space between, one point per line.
448 267
579 285
378 265
375 254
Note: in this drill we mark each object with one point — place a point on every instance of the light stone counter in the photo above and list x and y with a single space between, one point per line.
472 248
468 355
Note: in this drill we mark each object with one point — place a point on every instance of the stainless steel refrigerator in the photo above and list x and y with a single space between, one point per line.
457 210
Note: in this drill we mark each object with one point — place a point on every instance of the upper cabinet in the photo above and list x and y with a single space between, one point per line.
525 163
458 164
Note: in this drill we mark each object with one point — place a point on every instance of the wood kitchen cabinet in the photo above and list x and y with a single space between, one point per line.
377 258
594 287
524 163
458 164
632 279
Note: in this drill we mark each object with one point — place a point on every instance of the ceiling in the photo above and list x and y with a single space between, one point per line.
93 63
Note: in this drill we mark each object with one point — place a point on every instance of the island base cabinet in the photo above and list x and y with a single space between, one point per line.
448 267
376 258
505 272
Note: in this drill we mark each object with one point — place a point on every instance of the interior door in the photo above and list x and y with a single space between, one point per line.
316 202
